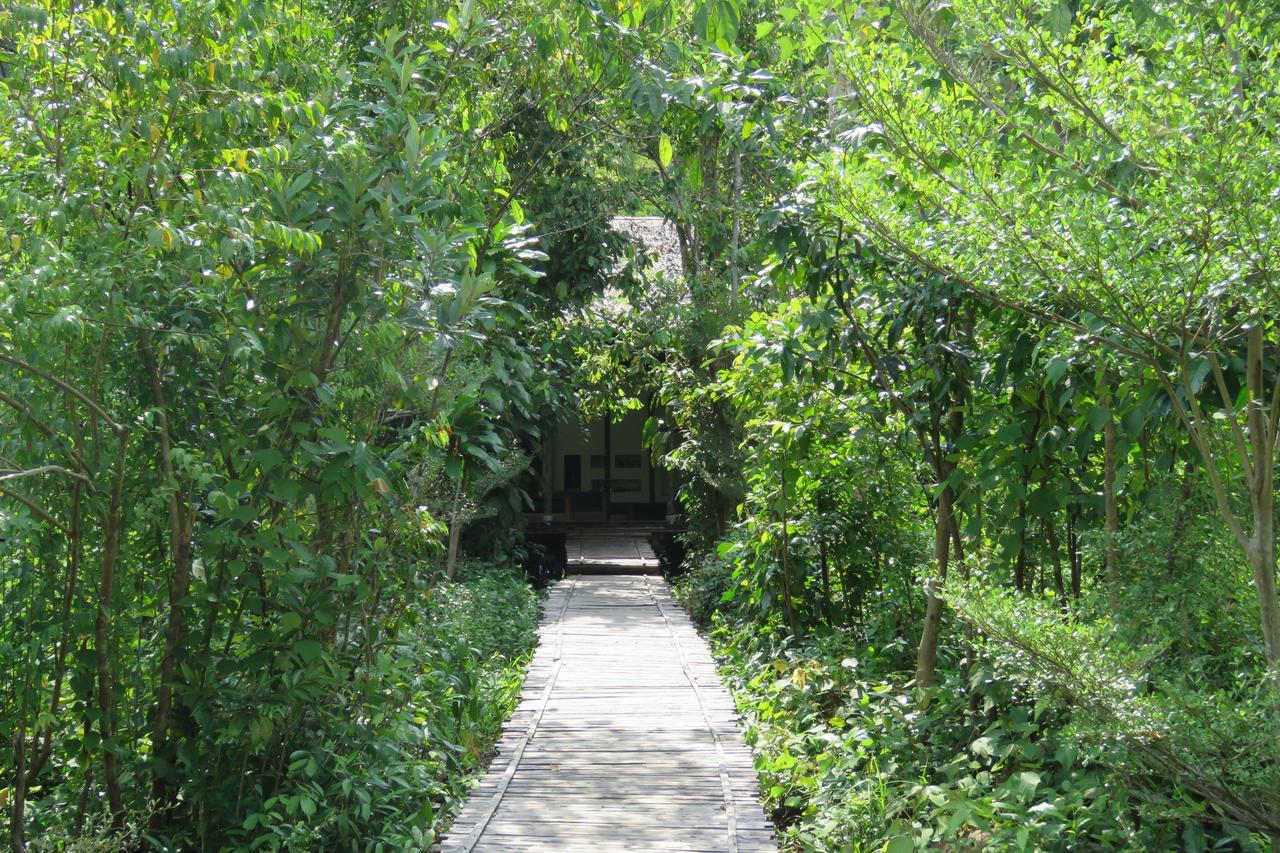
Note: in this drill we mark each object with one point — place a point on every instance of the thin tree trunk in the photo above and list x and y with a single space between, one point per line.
82 805
1021 582
946 529
215 607
1255 448
1184 517
850 600
737 223
826 580
17 809
1055 550
181 553
1111 512
787 601
74 547
455 529
1020 564
927 654
435 393
606 502
1073 554
957 542
1262 423
1263 560
102 637
1262 494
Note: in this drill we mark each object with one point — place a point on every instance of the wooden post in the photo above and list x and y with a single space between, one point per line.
608 465
646 455
548 477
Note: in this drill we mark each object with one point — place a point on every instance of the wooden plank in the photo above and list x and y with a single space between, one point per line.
624 739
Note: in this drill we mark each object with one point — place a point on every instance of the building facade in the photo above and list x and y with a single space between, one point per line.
599 470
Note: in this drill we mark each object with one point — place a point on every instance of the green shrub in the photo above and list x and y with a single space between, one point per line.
703 587
851 761
420 723
380 751
1190 749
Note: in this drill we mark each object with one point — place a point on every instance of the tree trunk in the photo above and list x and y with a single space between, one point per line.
1055 550
1020 564
1073 554
849 591
927 653
787 600
606 502
826 581
82 804
17 809
1262 424
1262 494
737 224
1021 581
1262 558
74 548
946 529
102 638
435 393
180 552
1111 511
455 529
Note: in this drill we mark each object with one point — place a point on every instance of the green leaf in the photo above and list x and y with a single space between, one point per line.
1098 417
1059 18
900 844
307 805
665 152
305 379
1027 782
268 458
290 622
308 650
1056 369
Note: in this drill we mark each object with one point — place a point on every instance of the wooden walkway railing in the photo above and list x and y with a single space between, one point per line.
625 738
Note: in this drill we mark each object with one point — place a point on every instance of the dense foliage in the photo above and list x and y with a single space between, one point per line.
971 381
262 358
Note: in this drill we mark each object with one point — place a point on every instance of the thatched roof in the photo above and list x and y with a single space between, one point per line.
657 237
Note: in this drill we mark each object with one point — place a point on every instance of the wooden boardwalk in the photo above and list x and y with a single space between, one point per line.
624 739
610 554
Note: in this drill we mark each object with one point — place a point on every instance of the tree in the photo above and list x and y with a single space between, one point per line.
230 268
1039 156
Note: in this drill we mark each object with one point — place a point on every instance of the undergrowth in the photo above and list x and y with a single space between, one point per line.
396 779
384 760
851 759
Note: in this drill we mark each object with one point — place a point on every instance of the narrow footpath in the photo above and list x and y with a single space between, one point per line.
624 739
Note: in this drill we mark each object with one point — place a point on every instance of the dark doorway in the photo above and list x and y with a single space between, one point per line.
572 472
